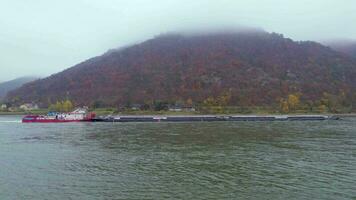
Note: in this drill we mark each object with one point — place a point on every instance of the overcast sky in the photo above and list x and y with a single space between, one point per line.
42 37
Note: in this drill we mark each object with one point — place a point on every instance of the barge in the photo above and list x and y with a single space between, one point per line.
212 118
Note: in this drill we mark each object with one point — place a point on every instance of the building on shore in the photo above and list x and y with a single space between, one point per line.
3 107
177 108
29 107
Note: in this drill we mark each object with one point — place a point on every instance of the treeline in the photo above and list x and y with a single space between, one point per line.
61 106
332 103
343 102
154 105
224 103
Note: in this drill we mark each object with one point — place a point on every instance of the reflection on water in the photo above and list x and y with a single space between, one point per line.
219 160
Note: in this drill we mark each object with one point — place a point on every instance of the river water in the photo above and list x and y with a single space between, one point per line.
200 160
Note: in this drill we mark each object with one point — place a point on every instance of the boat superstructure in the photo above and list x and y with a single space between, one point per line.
78 115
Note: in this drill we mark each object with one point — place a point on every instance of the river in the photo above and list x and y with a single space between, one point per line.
200 160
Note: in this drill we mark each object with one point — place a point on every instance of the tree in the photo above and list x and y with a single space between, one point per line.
309 105
189 102
52 107
67 106
333 102
293 101
322 108
284 106
61 106
209 102
290 104
224 99
58 106
160 105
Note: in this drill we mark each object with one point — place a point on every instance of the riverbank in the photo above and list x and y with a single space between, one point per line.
103 112
345 115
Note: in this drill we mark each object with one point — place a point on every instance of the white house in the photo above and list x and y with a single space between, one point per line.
3 107
175 108
29 106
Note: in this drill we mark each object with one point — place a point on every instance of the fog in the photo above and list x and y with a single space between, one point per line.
45 36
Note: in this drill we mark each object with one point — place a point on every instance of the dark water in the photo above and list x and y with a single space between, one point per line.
220 160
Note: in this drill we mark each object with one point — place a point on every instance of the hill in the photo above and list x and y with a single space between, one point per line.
239 68
13 84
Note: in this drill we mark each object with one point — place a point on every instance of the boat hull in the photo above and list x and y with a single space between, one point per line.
40 119
53 121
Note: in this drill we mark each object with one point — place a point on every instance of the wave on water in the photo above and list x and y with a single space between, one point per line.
11 121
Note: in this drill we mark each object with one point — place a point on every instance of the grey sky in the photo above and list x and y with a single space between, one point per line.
41 37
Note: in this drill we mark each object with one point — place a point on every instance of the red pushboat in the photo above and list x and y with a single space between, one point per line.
78 115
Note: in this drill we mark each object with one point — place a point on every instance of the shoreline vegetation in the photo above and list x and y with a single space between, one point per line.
292 105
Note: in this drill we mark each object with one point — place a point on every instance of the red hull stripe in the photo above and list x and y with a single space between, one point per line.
53 121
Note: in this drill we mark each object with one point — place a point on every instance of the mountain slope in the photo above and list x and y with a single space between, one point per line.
345 46
13 84
253 68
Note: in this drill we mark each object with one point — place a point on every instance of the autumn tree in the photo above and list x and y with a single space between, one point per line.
61 106
209 102
224 99
189 102
290 104
322 108
293 101
284 106
217 104
58 106
334 103
67 106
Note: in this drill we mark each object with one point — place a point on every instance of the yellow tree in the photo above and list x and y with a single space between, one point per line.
67 106
322 108
224 99
293 101
209 102
284 106
325 100
58 106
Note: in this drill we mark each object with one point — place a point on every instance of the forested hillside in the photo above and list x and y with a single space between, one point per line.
236 69
13 84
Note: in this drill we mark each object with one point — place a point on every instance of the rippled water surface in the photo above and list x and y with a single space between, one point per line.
219 160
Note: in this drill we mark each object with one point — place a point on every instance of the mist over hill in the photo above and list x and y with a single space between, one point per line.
252 68
14 84
345 46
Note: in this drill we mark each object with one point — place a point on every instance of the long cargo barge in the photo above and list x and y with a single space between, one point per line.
212 118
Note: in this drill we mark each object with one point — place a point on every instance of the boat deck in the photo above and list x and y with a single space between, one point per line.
212 118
